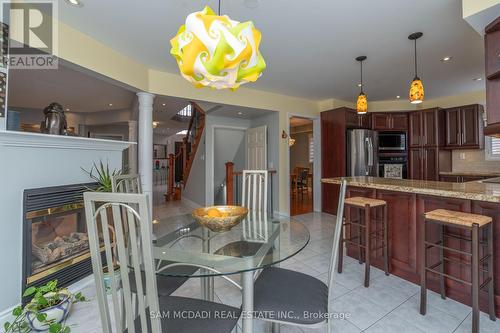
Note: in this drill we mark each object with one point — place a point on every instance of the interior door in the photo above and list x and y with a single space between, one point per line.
256 139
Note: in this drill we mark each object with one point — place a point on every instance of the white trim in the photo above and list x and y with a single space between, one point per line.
488 156
38 140
316 164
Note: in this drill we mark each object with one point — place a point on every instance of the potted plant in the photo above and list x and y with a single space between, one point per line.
47 310
103 176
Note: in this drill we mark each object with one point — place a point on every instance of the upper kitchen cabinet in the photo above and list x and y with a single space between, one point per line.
464 127
426 128
355 120
389 121
492 61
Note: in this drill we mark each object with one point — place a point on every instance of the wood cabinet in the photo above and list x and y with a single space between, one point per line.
425 137
464 127
492 62
355 120
388 121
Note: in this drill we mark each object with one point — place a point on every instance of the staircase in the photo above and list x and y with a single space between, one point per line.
187 153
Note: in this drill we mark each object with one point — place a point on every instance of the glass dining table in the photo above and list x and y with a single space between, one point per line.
197 252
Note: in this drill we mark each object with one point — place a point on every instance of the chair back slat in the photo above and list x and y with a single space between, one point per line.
254 197
336 238
127 217
126 183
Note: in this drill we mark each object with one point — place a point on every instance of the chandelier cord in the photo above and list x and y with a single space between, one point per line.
219 9
361 88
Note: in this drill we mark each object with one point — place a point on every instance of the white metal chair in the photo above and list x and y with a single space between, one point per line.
166 284
278 291
126 183
132 250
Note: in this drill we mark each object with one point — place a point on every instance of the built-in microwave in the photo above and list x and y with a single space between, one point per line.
392 141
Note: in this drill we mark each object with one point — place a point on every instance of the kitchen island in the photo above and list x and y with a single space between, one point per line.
407 201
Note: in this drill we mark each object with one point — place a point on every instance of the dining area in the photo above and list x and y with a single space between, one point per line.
138 266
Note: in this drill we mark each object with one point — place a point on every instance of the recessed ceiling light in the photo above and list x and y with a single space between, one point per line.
359 84
163 104
240 113
446 59
76 3
110 104
155 124
478 79
398 97
67 109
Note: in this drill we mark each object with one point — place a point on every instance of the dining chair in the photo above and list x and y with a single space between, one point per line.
278 291
254 197
129 183
303 180
132 251
166 284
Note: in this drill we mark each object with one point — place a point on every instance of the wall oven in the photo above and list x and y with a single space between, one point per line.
393 167
395 141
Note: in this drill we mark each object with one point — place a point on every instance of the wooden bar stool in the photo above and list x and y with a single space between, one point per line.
363 240
472 223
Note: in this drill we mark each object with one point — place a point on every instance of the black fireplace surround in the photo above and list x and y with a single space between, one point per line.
55 243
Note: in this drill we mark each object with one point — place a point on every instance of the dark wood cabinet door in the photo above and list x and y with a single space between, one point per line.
430 128
492 52
415 163
453 128
401 217
330 198
415 131
430 162
470 126
399 121
351 119
365 121
381 121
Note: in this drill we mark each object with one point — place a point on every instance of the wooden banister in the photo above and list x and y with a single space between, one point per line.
170 180
229 183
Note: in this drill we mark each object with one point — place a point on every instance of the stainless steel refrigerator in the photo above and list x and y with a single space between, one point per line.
362 153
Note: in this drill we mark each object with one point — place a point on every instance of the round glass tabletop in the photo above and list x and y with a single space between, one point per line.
184 248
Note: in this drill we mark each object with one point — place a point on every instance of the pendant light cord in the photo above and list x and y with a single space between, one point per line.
361 88
416 58
219 9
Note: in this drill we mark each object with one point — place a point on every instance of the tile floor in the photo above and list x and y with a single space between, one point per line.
389 305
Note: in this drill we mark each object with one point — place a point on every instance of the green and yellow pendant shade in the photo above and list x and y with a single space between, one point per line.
416 93
362 102
214 51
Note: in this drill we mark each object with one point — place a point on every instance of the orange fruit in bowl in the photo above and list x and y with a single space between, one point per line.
214 212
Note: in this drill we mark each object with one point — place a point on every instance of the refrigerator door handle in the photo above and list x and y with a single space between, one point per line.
369 148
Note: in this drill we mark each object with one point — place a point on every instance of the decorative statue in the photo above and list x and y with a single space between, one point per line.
55 120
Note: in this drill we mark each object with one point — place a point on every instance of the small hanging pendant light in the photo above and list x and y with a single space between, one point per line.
361 103
416 88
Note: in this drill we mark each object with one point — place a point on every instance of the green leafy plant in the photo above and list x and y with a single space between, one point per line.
101 174
43 297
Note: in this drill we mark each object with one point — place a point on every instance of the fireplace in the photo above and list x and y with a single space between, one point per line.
55 242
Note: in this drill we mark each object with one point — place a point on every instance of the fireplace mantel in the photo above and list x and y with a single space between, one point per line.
39 140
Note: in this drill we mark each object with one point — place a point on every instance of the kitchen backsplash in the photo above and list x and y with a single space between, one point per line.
474 162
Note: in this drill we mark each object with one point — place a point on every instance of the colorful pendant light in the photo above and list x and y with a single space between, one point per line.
214 51
416 88
361 103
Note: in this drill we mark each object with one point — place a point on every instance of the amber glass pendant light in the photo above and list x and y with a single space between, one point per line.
416 93
361 103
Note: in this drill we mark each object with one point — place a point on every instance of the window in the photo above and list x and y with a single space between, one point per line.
311 148
187 111
492 148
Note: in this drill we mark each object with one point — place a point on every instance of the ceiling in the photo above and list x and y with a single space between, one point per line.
76 91
310 50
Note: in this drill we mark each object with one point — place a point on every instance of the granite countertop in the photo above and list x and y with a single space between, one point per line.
475 190
470 173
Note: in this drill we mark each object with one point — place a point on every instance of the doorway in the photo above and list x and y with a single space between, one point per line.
301 145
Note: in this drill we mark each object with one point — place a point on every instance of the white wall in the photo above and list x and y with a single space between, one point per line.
33 167
195 189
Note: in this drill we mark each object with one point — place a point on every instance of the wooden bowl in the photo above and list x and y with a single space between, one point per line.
232 215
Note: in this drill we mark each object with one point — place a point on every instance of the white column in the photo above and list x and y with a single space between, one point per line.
132 150
145 144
